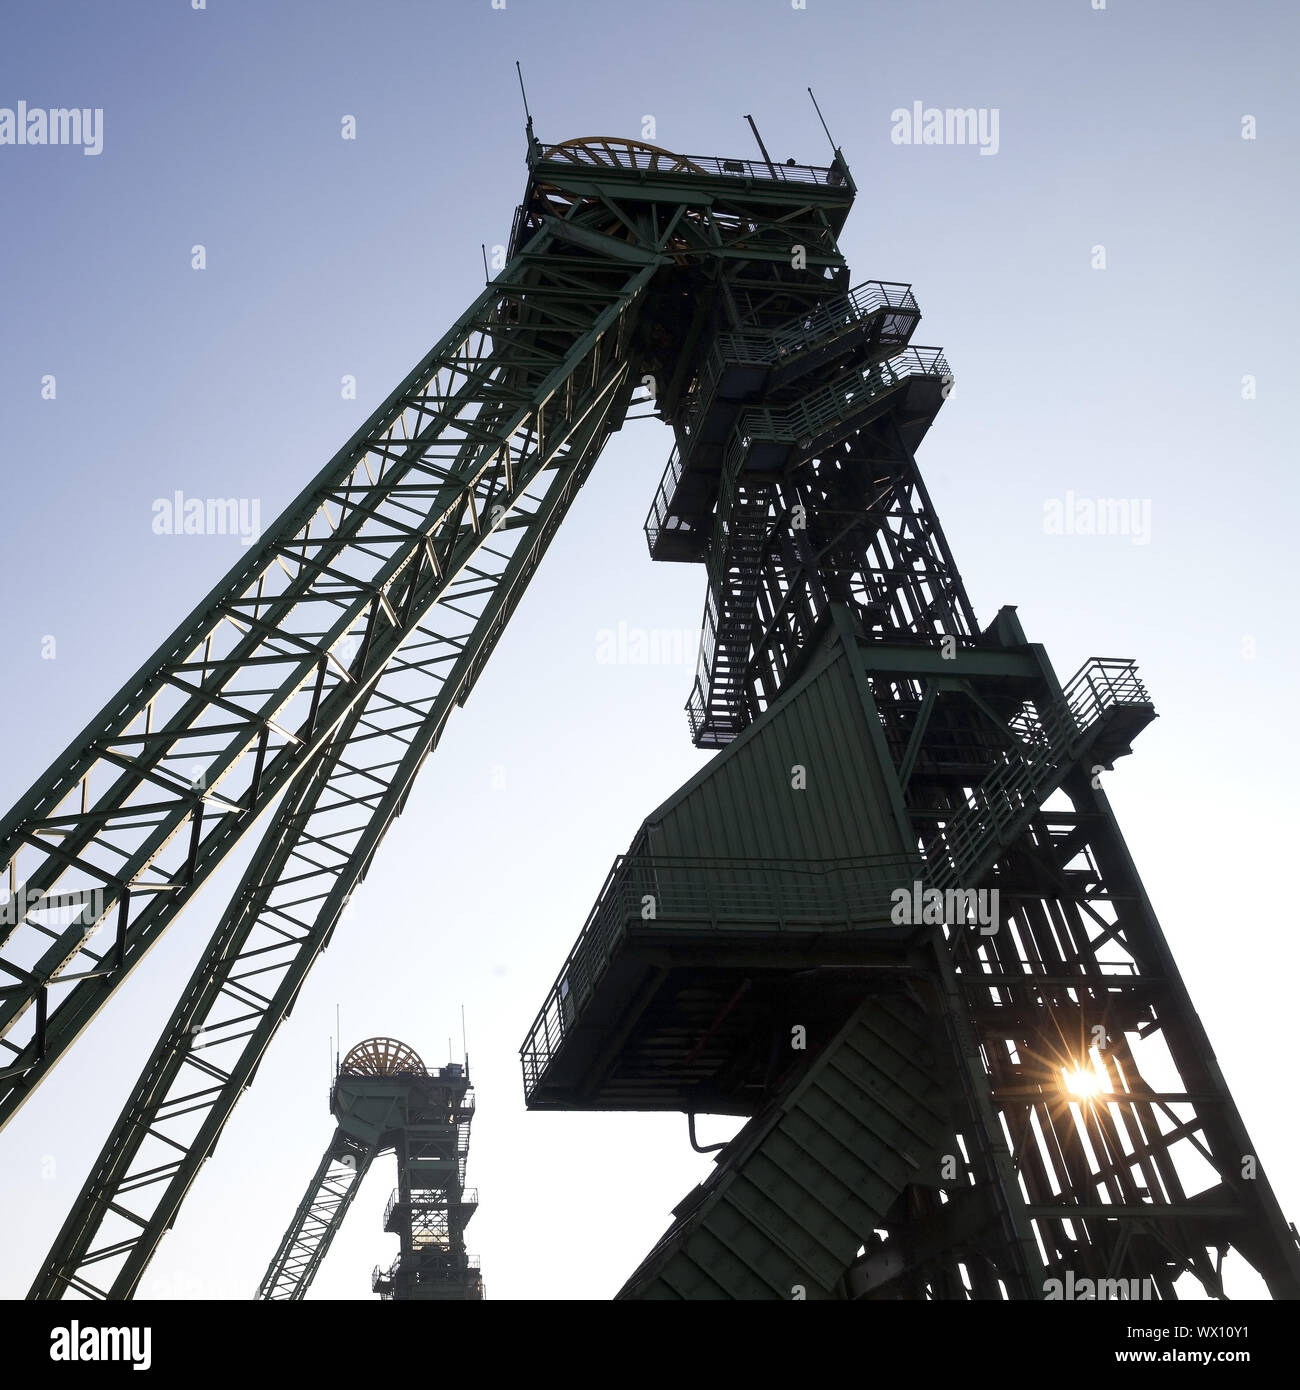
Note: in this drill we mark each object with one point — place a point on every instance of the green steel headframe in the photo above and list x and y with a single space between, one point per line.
385 1099
316 678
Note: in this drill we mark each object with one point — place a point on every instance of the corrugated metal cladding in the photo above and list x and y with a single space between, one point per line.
804 1184
744 803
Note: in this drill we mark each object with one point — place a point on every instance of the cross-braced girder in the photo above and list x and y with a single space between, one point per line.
317 1220
794 481
299 882
854 528
259 679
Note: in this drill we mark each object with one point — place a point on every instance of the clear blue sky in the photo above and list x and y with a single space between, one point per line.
1119 128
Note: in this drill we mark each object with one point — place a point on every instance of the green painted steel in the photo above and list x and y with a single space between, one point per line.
786 832
808 786
326 832
802 1186
317 1221
870 324
398 530
387 1101
870 728
793 829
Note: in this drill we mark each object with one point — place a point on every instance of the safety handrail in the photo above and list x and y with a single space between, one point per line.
770 347
646 159
1015 786
783 895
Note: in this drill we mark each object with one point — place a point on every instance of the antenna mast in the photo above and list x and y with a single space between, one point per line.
762 146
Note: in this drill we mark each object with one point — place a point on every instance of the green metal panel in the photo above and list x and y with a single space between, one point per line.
804 1184
745 804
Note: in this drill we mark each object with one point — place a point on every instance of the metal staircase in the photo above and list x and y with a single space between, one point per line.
719 708
1102 707
872 321
765 442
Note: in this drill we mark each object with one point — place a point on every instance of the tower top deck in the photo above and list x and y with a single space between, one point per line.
590 167
616 153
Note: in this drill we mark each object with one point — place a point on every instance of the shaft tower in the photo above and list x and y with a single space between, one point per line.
385 1099
893 921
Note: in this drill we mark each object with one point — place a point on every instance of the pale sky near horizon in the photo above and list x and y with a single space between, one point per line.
1119 128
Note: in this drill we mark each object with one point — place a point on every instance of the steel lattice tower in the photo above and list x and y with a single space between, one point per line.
384 1098
316 678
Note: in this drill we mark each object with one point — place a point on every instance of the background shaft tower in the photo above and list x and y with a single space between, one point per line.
385 1099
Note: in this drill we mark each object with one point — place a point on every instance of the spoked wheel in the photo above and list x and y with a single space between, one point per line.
381 1057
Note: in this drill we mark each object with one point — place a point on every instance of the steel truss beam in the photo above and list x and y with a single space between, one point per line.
867 537
318 1218
314 680
1142 1181
294 891
1079 974
317 677
258 681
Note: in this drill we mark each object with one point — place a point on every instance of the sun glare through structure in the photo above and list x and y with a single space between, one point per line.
1081 1083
